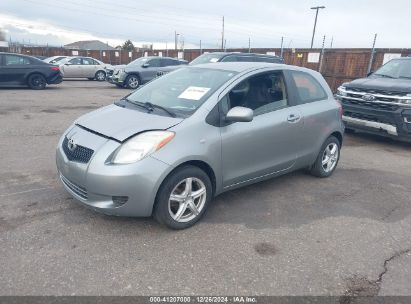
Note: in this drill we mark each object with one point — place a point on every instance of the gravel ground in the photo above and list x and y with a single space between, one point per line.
295 235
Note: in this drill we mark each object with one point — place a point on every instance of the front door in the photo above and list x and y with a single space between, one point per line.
269 143
150 69
72 68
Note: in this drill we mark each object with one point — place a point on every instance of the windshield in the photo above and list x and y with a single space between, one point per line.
182 91
139 61
206 58
396 68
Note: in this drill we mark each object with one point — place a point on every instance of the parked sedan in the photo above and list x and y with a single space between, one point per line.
83 67
171 146
141 71
22 70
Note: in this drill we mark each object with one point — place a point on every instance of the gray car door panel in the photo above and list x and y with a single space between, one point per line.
264 146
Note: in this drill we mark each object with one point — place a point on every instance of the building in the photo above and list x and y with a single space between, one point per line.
92 45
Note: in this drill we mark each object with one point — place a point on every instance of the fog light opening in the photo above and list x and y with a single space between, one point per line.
119 200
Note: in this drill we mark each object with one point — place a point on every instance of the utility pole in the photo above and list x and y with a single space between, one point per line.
201 49
322 55
225 45
332 40
282 42
372 55
175 40
249 44
222 36
315 22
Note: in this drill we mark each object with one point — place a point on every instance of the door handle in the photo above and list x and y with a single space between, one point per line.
293 118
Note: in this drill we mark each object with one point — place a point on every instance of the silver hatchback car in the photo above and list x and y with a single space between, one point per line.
169 147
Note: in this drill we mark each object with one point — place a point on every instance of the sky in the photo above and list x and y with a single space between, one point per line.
347 24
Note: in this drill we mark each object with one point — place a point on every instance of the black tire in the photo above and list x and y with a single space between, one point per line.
318 168
162 208
36 82
100 76
132 82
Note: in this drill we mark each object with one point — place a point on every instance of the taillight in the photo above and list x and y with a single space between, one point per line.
55 68
340 108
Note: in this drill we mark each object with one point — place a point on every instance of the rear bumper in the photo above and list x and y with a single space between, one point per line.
395 124
55 79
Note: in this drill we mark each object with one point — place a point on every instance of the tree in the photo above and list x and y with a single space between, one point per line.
128 46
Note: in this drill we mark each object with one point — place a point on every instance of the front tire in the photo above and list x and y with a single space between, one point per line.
132 82
100 76
183 198
327 159
36 82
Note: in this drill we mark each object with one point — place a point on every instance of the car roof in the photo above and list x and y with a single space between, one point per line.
237 66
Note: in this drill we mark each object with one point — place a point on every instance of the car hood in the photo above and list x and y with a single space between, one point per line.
121 123
380 83
117 67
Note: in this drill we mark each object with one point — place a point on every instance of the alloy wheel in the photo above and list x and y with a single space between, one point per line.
187 200
330 157
133 82
100 76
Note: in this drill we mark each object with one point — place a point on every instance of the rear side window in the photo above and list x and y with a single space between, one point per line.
15 60
230 58
308 88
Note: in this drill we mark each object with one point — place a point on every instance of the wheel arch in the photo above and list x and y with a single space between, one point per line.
196 163
338 135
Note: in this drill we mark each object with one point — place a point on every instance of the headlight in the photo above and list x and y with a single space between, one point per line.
341 91
141 146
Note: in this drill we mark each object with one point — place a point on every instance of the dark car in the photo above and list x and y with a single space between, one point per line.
381 102
228 57
141 71
20 70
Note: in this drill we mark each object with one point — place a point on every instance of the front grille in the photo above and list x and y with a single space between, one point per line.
373 105
380 92
79 154
80 191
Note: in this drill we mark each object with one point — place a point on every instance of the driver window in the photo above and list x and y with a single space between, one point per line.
262 93
154 63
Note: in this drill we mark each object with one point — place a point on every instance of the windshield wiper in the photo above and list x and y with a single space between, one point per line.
405 77
151 107
383 75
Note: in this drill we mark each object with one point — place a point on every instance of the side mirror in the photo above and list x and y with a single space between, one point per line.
145 65
369 74
240 114
67 63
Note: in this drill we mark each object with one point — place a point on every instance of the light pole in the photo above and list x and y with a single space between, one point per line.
316 8
175 40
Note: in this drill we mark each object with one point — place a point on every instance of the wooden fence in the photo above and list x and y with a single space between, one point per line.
338 65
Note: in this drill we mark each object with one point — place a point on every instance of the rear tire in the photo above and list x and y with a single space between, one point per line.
100 76
327 159
36 82
183 198
132 82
